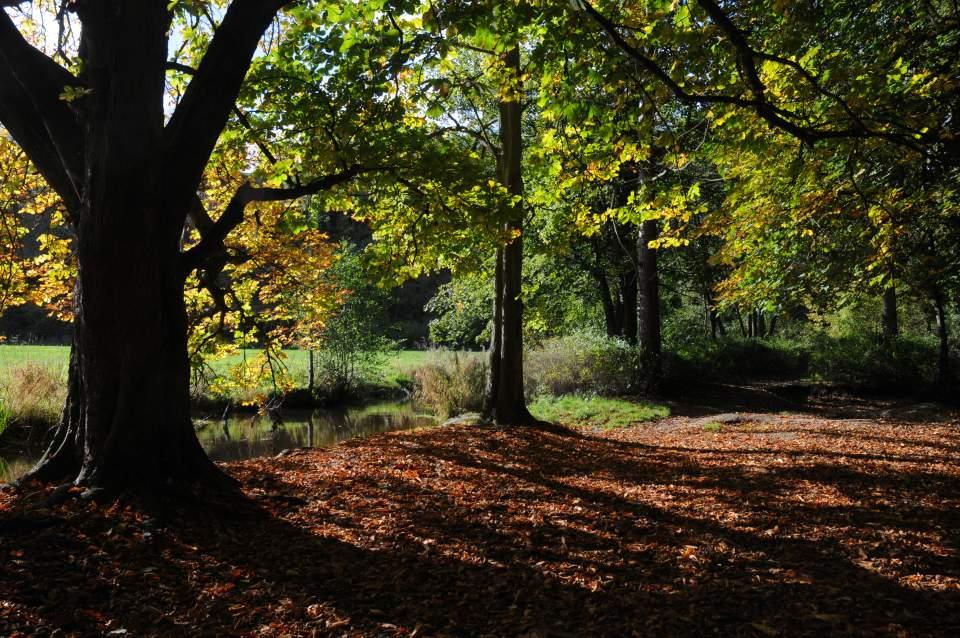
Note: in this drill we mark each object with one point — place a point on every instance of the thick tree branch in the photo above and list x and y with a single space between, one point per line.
240 115
199 119
31 109
212 241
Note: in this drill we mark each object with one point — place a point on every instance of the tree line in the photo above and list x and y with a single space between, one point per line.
183 155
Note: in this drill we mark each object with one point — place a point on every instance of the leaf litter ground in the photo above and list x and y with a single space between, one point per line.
762 525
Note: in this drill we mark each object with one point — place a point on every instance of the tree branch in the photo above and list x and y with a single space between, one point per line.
212 241
776 117
41 123
240 115
199 119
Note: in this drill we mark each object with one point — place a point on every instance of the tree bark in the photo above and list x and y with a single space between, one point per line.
128 182
648 304
505 403
127 419
891 321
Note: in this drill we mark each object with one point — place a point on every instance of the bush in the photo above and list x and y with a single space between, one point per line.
452 387
904 364
581 363
32 393
738 358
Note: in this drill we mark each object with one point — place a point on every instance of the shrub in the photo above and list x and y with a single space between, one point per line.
451 387
903 364
581 363
734 357
32 393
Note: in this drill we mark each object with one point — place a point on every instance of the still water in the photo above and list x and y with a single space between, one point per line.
245 436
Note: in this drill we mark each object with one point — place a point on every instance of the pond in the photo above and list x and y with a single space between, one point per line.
245 436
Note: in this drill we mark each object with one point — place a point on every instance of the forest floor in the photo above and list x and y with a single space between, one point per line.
756 523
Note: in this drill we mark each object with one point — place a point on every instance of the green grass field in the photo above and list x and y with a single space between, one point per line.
11 356
399 364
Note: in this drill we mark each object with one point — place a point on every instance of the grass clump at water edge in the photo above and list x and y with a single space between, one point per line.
603 412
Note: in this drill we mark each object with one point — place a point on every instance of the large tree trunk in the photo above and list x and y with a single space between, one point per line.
891 322
648 304
505 402
127 417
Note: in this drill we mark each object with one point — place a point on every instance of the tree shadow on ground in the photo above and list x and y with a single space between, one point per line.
706 399
469 531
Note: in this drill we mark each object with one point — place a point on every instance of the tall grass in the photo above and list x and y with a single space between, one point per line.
449 387
32 393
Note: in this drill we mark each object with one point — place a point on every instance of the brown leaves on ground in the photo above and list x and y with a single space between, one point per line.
772 526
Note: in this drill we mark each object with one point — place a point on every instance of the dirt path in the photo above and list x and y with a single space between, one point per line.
768 525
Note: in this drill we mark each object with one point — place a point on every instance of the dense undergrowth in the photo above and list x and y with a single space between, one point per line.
865 362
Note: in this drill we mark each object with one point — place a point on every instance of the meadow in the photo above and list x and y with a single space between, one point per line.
398 364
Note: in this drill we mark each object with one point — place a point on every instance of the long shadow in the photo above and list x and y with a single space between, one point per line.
470 533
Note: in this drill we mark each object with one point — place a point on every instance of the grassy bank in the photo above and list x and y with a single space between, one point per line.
32 380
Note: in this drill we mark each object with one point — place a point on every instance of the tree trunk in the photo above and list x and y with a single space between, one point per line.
648 304
743 330
126 422
944 374
492 390
891 322
611 318
505 402
628 287
311 381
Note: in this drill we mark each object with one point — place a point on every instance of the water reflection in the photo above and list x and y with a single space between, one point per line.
244 436
247 437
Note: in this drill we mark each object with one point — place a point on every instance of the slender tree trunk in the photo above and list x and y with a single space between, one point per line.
492 390
126 421
312 375
773 326
648 304
505 402
628 286
891 321
944 373
611 318
743 329
761 324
